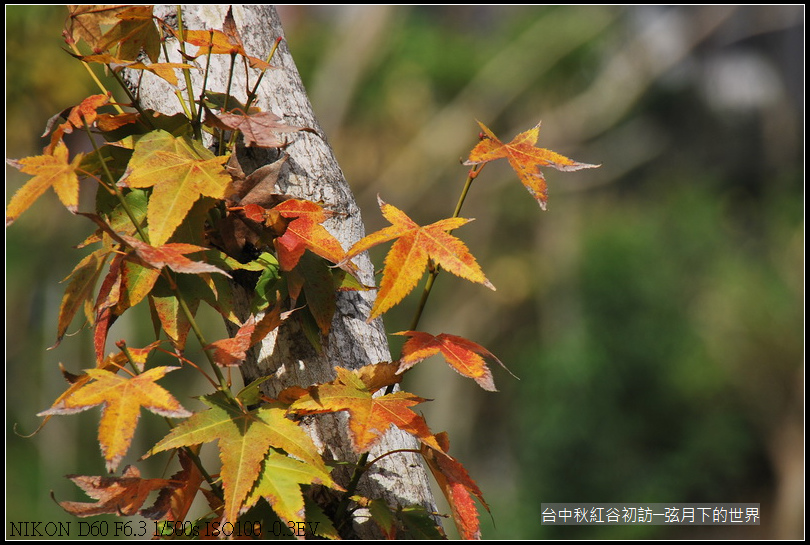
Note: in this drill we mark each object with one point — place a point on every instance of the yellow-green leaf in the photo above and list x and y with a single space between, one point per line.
180 173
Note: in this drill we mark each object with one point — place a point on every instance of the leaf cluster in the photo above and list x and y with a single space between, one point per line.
175 220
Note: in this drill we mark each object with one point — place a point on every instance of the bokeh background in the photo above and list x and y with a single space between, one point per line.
654 313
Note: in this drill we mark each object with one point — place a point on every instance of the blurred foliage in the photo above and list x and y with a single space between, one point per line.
654 313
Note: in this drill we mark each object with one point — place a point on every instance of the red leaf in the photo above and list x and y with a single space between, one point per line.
121 496
306 232
462 355
457 487
172 256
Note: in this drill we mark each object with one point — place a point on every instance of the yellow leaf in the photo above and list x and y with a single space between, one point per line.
48 170
122 399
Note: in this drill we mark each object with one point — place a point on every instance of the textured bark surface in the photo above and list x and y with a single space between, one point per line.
311 172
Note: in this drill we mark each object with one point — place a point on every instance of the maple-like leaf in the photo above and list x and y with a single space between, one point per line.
222 42
369 417
525 158
243 440
174 502
84 22
121 496
280 484
122 399
305 232
457 486
259 129
165 70
181 171
258 188
232 351
49 171
172 255
462 355
134 31
406 260
111 362
79 292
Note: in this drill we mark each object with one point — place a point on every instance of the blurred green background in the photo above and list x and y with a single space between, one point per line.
654 313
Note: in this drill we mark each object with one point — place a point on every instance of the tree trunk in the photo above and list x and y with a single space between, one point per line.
311 172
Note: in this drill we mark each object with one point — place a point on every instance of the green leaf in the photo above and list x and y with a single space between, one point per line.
280 484
251 394
319 290
419 524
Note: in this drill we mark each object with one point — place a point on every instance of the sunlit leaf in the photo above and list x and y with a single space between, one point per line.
525 158
122 399
408 257
180 172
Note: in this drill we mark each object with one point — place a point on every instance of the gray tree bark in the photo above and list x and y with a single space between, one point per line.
311 172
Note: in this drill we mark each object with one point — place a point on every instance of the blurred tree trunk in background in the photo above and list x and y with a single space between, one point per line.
312 173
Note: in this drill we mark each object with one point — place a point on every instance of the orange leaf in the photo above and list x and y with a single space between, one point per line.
172 256
111 362
525 158
232 351
110 122
122 399
462 355
181 171
305 232
408 257
164 70
457 487
222 42
369 417
85 111
48 171
121 496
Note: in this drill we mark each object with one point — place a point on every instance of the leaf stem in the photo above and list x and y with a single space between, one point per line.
135 103
118 193
94 77
223 383
186 71
197 123
253 92
434 272
381 456
225 102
